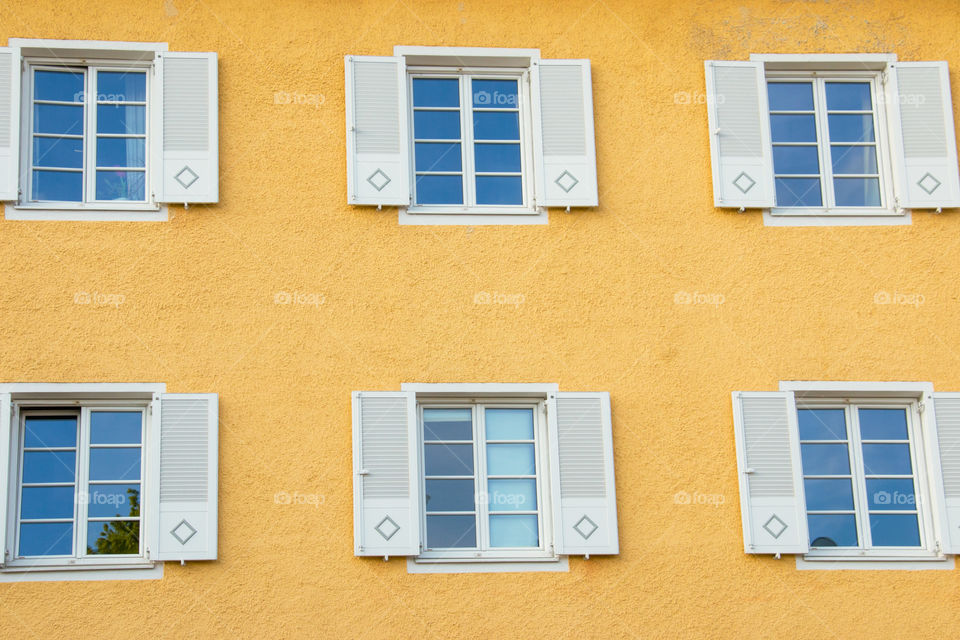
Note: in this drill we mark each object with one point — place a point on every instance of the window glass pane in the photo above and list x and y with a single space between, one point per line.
445 532
798 192
891 494
509 424
825 459
822 424
437 156
497 157
512 495
884 459
436 92
499 190
121 86
61 86
849 96
828 494
495 94
49 431
49 466
436 125
58 152
439 190
514 531
450 495
58 186
832 530
850 128
115 538
58 118
114 500
115 464
121 185
46 539
847 159
790 96
857 192
793 128
883 424
448 459
46 502
510 460
115 427
447 424
113 118
496 125
793 160
888 530
121 152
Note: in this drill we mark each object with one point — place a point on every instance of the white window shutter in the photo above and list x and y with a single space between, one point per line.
943 422
188 443
186 128
922 135
564 145
771 478
581 473
6 435
378 144
9 123
740 149
386 479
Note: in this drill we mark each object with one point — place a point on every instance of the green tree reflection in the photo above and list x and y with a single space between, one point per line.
120 536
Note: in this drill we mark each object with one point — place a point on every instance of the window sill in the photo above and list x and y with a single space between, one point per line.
521 565
834 218
412 216
75 214
60 573
824 563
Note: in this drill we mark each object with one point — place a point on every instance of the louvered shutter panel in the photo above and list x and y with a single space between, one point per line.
386 486
582 481
188 156
5 435
771 478
9 123
564 144
740 147
378 146
188 476
924 142
944 426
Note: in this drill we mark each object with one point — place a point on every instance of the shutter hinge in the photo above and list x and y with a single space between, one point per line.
921 406
937 548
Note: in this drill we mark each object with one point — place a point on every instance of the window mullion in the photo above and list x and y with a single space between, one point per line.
82 487
90 135
466 134
823 135
861 502
480 475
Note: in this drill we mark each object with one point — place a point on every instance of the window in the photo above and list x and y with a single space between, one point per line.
81 484
826 147
88 134
460 135
482 479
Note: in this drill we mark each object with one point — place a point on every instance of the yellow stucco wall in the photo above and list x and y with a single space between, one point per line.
396 304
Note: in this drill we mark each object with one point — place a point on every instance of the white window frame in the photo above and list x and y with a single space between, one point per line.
81 397
88 54
484 553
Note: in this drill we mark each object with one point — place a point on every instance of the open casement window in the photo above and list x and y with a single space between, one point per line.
469 132
88 127
832 135
513 474
106 476
866 473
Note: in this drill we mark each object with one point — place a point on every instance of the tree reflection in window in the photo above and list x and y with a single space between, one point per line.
120 537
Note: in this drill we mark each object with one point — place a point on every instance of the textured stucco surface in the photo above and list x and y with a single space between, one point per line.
599 287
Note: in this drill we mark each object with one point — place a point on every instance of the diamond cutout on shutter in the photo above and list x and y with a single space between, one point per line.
928 183
186 177
778 526
566 181
391 527
379 180
585 527
744 182
183 532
